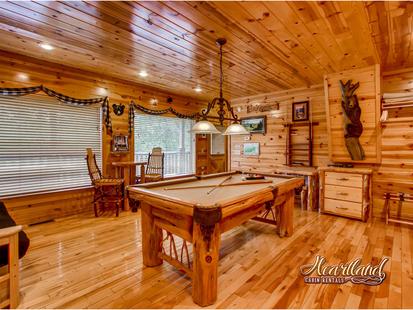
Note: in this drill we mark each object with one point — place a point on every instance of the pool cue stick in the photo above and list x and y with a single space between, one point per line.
223 185
226 179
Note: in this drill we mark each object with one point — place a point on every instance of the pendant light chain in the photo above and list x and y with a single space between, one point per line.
221 77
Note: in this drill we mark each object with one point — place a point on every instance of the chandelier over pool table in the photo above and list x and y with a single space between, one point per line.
206 127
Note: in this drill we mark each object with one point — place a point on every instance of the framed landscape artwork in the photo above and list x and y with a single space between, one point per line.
300 111
256 124
251 149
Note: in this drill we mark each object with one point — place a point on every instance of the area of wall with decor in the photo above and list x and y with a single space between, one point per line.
388 144
22 71
395 173
277 108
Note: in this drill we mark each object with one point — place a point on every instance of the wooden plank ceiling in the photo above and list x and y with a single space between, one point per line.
271 45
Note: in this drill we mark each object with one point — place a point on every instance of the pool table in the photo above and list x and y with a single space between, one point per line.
192 213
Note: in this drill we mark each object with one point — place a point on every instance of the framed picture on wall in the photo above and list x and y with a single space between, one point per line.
120 143
251 149
300 111
256 124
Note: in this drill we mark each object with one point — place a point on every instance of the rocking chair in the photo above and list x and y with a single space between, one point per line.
107 191
155 167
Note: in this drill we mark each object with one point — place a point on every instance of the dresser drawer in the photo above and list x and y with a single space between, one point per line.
343 193
345 208
343 179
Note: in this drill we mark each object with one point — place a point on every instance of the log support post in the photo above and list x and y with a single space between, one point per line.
151 238
285 216
206 242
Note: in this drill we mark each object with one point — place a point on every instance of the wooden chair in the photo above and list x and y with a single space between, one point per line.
10 236
155 167
107 191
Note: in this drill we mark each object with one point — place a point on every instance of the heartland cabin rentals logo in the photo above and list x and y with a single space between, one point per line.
321 273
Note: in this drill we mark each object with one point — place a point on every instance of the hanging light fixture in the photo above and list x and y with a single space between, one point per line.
204 126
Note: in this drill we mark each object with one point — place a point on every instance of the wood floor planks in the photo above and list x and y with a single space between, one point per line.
87 262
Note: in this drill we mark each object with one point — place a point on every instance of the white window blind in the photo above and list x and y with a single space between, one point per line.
172 135
43 144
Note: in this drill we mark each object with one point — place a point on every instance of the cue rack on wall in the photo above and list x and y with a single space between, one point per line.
299 144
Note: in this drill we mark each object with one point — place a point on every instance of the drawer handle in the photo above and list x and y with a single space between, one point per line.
343 179
342 193
341 208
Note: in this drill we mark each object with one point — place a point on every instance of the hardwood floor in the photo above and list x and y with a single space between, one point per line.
87 262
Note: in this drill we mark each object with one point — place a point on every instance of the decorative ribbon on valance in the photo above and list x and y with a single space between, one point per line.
145 110
62 98
131 117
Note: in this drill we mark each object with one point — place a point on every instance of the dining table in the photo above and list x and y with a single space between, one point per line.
127 171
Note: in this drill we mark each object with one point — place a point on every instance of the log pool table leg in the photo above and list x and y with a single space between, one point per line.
151 238
205 264
285 216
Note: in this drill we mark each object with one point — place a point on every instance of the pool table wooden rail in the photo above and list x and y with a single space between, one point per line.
202 226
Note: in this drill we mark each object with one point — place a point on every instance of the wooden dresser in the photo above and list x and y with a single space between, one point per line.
346 191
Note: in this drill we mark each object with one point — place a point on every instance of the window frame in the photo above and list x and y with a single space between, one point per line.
59 189
192 151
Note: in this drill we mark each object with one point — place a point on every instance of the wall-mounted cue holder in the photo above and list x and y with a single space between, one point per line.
299 144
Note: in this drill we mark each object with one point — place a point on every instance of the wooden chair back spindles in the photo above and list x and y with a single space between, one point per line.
106 190
155 167
93 168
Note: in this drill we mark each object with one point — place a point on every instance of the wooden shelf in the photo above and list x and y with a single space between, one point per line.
404 102
398 120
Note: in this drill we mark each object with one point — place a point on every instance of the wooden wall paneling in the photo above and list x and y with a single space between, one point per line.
273 143
395 172
396 139
21 71
31 209
369 99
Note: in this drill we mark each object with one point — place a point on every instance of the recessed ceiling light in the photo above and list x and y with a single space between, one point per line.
102 91
22 77
198 89
46 46
143 73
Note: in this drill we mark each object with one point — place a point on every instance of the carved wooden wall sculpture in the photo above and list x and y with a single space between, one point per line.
353 143
353 127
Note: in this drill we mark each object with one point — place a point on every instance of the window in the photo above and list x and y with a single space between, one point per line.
172 135
43 144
